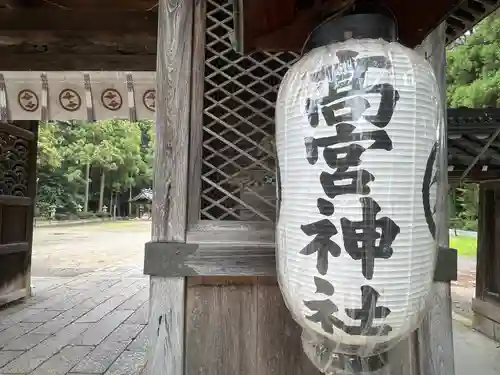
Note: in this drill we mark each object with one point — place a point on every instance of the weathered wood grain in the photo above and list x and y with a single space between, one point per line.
243 258
16 229
221 330
170 259
32 192
489 309
11 200
17 131
16 247
492 279
166 322
435 336
242 329
484 236
279 349
197 91
231 232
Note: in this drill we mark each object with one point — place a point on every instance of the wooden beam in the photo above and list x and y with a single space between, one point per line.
21 21
82 62
476 175
81 4
197 114
17 247
166 322
169 259
281 26
59 39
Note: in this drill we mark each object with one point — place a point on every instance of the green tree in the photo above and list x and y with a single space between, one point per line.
473 78
58 179
115 154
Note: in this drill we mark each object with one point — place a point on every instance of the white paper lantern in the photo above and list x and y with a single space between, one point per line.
356 133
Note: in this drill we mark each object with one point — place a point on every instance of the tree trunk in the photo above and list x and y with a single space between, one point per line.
129 200
116 211
87 188
110 202
101 190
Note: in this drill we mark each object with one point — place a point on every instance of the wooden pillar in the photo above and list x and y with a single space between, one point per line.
429 350
435 336
229 318
166 322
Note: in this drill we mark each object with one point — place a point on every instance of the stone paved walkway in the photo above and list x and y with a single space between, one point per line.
89 311
89 324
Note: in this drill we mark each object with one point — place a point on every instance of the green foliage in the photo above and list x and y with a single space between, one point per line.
119 150
474 67
466 246
464 201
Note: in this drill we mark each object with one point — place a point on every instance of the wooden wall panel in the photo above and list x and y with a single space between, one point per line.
14 224
242 329
488 257
221 330
279 349
17 194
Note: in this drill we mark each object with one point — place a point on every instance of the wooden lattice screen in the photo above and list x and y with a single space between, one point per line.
238 173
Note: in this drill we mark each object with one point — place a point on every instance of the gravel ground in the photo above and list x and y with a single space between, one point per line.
72 251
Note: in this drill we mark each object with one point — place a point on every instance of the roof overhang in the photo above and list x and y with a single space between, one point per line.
284 25
121 35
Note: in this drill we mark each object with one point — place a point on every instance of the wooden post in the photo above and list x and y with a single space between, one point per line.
436 333
166 322
429 351
218 322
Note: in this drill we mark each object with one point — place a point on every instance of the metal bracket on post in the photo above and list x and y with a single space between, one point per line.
446 265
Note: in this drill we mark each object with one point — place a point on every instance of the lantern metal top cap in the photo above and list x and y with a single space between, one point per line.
357 26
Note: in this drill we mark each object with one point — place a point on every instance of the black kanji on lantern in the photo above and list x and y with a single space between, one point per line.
346 134
323 309
323 286
322 244
388 98
323 313
361 237
368 312
333 106
346 81
325 207
358 182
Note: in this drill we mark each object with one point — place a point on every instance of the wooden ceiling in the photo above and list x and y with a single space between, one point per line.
121 34
285 24
78 34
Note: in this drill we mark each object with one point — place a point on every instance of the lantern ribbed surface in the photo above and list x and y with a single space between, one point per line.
356 130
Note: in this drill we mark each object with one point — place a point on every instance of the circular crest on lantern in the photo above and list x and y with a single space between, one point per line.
111 99
428 193
149 100
28 100
70 100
